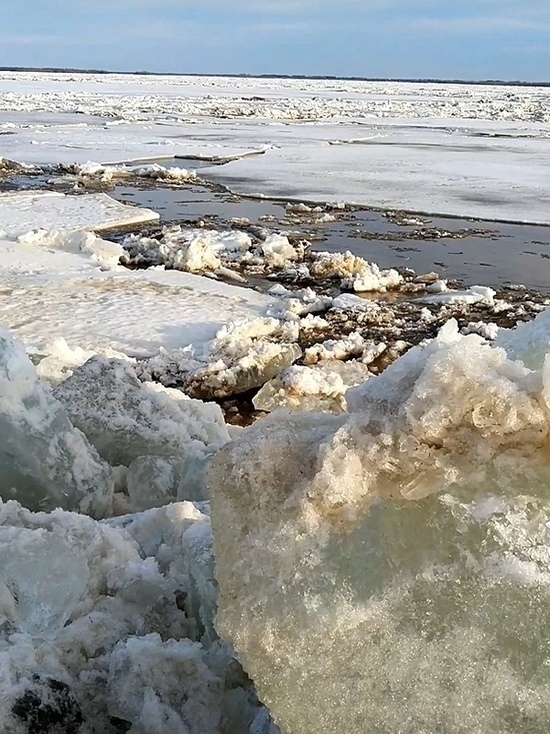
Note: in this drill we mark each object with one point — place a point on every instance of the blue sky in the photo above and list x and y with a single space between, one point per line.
474 39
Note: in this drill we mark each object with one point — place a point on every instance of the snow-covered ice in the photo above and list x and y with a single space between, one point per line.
23 211
464 150
130 312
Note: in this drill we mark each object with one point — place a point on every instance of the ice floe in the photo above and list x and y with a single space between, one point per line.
23 211
111 308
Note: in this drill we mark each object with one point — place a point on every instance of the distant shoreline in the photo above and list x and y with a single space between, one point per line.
478 82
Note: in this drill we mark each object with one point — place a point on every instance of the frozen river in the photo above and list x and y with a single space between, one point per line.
273 453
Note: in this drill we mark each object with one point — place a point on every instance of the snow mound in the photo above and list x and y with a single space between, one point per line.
45 462
125 418
392 573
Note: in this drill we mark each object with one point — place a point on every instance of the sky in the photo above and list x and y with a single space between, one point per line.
467 39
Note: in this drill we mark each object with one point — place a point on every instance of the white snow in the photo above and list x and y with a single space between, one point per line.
23 211
475 150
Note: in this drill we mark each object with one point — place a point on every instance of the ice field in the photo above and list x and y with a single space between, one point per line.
367 553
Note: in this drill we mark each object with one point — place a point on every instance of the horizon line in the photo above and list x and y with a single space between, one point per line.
242 75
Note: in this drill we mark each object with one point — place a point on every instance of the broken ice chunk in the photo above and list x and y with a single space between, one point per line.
278 250
45 576
319 387
152 481
193 484
125 418
354 272
45 462
244 355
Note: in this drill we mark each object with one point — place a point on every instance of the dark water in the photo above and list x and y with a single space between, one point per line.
507 254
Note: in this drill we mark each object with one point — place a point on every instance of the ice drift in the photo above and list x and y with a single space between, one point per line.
387 571
45 462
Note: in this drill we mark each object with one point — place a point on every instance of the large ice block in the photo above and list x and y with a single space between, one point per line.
125 418
387 571
45 462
